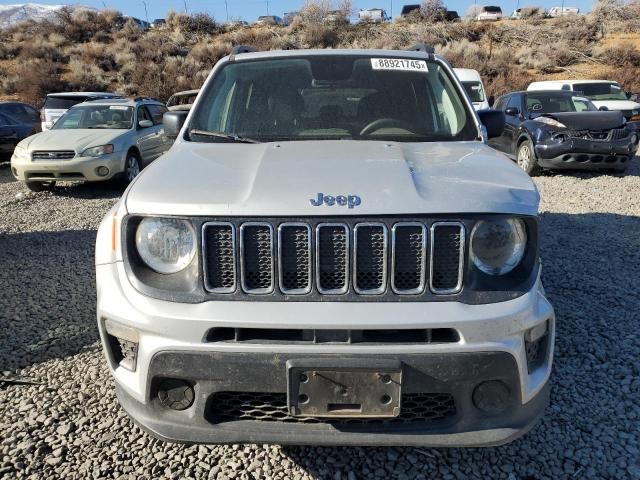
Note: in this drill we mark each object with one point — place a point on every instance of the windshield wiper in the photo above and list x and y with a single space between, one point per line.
224 136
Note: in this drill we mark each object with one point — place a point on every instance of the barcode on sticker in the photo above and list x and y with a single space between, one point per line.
399 64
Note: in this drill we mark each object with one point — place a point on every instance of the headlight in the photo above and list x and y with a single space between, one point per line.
497 246
550 121
97 151
19 150
166 245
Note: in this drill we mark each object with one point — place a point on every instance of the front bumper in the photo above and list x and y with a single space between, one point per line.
585 154
173 344
76 169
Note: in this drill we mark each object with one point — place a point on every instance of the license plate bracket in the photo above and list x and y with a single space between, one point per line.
335 388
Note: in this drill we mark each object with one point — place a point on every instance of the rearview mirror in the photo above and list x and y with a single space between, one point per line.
145 123
512 111
493 121
173 123
603 109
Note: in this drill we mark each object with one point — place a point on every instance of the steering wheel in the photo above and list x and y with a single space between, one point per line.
385 123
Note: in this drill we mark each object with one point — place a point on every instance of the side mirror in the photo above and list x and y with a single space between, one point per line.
173 123
512 112
603 109
145 123
493 121
492 100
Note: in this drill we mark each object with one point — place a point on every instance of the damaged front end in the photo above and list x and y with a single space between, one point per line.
583 140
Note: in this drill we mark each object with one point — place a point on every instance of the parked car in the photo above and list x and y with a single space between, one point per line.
562 11
158 23
605 94
373 15
489 13
12 131
560 130
516 14
288 17
410 10
322 220
55 104
182 100
337 17
269 20
452 16
22 112
94 141
472 83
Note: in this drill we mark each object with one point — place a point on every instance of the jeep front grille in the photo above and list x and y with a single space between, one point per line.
325 258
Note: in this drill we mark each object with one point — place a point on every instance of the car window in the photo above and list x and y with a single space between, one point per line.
16 110
514 102
474 90
4 121
62 103
334 97
96 117
143 114
540 103
501 103
601 91
157 111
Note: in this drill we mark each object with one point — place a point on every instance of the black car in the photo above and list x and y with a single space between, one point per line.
11 132
22 112
561 129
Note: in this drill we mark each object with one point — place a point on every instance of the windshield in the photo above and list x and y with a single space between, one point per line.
97 117
556 103
601 91
474 90
333 97
185 99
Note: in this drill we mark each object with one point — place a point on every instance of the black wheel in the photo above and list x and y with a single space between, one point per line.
40 186
131 168
526 159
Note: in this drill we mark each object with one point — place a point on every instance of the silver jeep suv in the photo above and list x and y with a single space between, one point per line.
329 254
94 141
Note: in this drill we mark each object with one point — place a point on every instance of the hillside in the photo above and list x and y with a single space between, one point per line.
92 50
13 14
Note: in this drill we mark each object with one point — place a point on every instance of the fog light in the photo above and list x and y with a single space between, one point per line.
102 171
123 342
535 344
492 396
176 394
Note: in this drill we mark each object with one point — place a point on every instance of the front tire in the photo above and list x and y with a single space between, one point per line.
131 168
526 159
40 186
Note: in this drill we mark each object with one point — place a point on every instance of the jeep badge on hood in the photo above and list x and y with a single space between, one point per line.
342 200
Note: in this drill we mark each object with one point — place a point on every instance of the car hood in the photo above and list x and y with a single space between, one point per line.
589 120
281 179
617 104
70 139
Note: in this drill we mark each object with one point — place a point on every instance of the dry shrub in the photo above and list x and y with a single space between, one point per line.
196 24
314 11
98 54
433 10
32 80
82 76
622 55
207 53
320 36
42 49
531 12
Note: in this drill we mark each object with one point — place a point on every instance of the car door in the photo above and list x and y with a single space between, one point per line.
499 143
147 137
8 134
164 143
513 117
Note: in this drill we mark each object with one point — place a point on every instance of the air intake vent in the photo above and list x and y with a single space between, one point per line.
219 257
294 258
256 247
370 262
447 254
409 256
332 258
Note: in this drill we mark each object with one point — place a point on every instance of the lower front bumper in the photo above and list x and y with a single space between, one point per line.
233 390
77 169
585 154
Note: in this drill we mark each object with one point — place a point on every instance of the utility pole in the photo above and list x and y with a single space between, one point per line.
267 7
562 9
146 13
186 10
226 7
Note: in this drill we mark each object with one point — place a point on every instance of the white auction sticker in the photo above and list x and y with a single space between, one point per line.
399 64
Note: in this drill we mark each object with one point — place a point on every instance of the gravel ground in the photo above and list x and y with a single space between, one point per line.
70 425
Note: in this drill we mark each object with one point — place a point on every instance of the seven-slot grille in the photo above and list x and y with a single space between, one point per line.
53 155
368 258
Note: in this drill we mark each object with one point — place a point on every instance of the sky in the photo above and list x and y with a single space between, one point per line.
250 9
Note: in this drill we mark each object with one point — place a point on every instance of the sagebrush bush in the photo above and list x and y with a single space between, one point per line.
82 76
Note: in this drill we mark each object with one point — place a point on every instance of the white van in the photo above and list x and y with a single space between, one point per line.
603 93
472 83
373 15
562 11
489 13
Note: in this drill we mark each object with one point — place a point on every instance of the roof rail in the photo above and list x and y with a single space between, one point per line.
143 97
242 49
422 47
